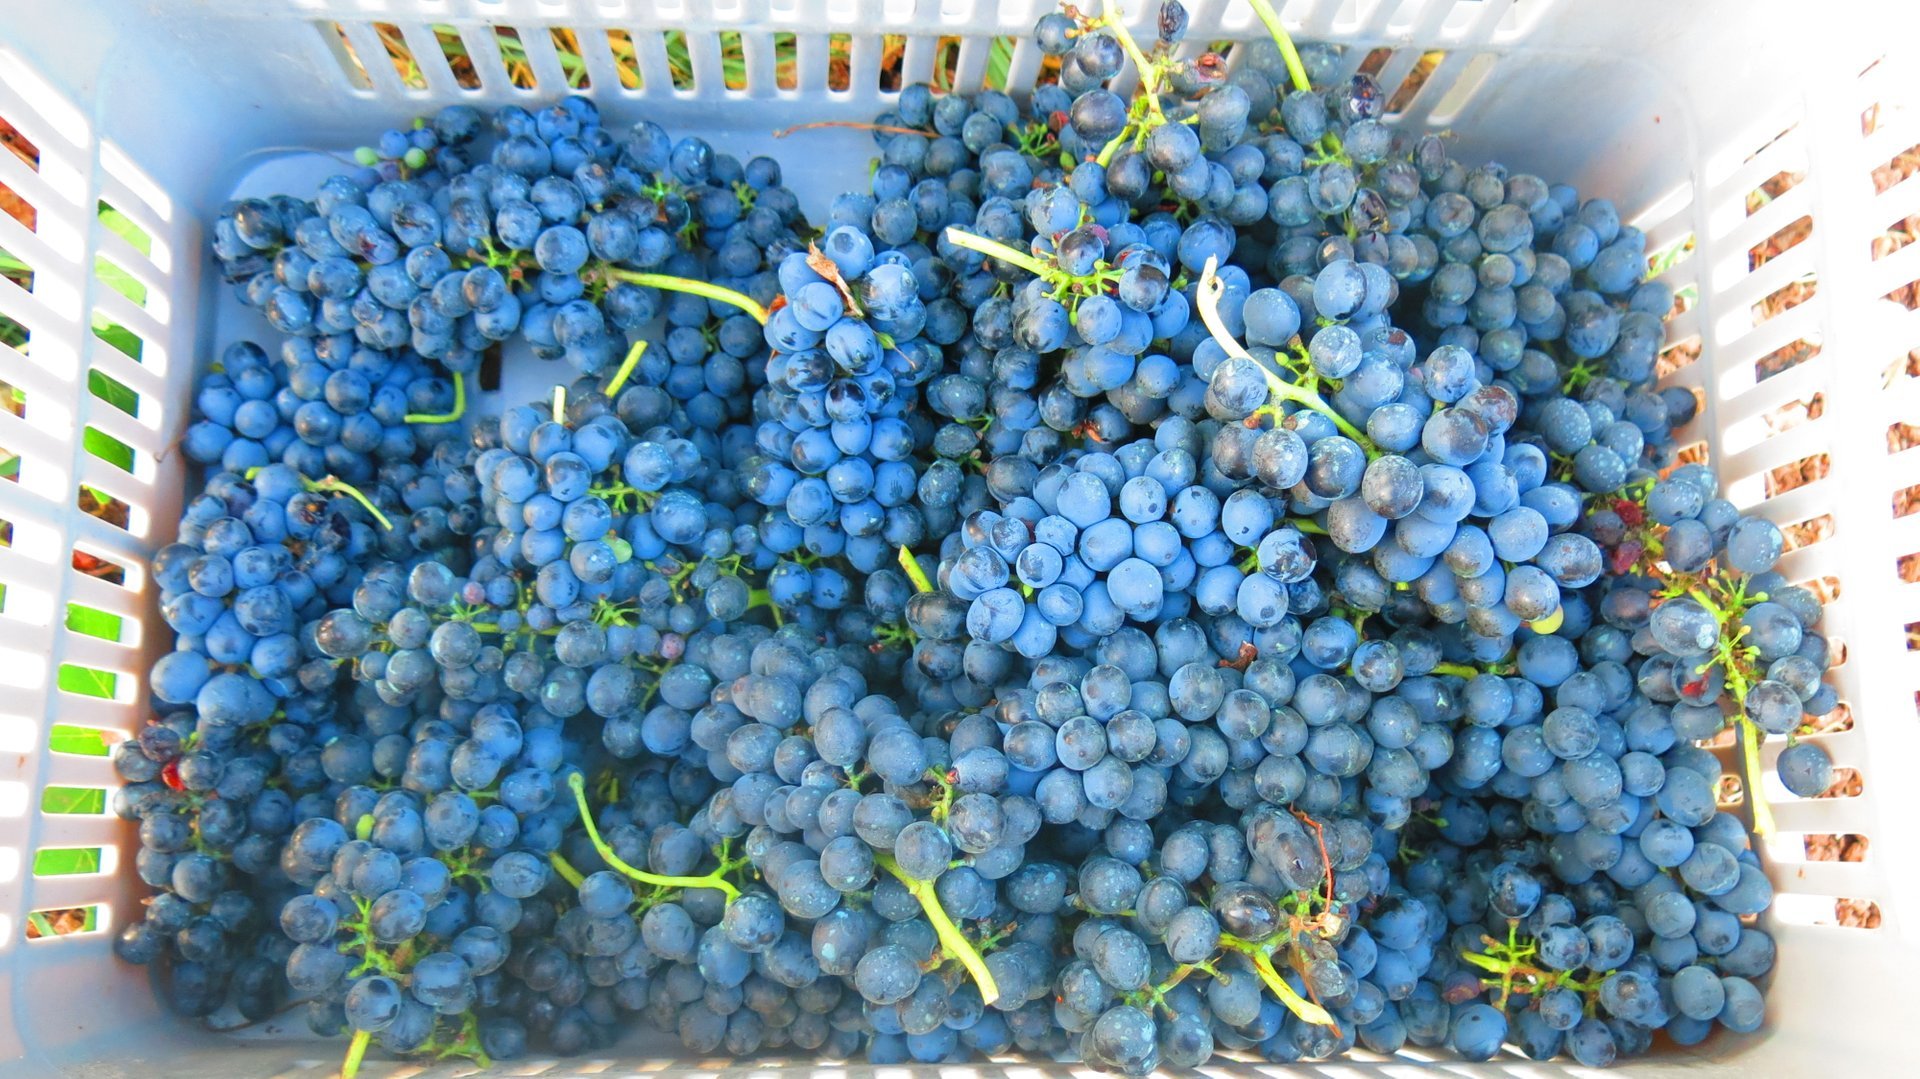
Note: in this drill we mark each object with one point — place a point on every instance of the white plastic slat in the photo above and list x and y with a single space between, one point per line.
1797 383
1799 504
429 60
141 438
122 311
1787 153
150 384
1849 880
1790 445
1421 109
548 75
918 59
137 265
373 57
118 544
106 596
483 52
1790 207
761 62
26 439
863 62
811 61
650 54
1899 202
703 52
59 893
1770 277
29 247
1025 65
971 70
1899 268
86 711
27 183
72 770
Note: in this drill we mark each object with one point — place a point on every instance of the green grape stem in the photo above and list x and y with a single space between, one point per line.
1296 70
356 1052
565 868
1010 255
459 405
698 288
1149 73
1726 598
626 368
335 485
340 486
914 573
1513 961
1750 736
1210 290
715 880
1262 958
952 941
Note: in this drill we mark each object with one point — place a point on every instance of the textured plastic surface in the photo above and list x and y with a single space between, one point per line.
1679 112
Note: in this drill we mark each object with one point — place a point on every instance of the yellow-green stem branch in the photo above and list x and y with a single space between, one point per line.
1750 736
565 868
698 288
914 573
340 486
356 1052
1296 70
459 405
626 368
998 250
1209 292
1149 83
1262 961
712 880
952 941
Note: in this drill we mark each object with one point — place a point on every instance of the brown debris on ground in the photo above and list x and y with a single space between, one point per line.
1899 234
57 923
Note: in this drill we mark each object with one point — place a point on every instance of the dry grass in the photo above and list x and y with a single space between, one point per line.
59 923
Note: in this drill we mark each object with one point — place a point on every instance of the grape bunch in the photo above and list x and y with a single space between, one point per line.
1148 574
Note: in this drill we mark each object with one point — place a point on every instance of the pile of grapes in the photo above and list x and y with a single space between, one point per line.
1148 577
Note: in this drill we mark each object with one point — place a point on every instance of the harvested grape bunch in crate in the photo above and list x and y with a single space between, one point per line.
1172 537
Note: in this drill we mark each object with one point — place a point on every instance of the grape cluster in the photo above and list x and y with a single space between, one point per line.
1151 574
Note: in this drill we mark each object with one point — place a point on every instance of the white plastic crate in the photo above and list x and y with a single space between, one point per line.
1697 118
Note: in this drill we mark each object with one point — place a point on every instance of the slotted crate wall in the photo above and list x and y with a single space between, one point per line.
1759 146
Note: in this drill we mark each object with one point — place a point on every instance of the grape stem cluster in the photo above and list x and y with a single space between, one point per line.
1724 595
1067 288
336 485
1511 962
953 943
1278 390
378 960
715 879
1145 113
